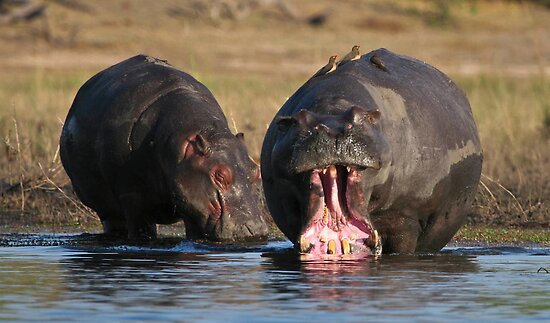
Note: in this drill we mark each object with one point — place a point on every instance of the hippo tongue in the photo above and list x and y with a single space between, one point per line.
334 199
334 227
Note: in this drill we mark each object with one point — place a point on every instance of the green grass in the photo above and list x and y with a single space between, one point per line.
38 101
502 235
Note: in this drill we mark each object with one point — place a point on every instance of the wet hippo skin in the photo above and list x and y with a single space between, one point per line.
145 143
381 154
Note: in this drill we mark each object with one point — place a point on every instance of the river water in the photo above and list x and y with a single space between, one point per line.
60 278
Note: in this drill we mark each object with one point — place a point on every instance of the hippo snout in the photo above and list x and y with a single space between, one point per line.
253 228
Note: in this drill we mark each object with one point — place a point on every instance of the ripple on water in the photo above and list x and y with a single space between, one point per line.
64 278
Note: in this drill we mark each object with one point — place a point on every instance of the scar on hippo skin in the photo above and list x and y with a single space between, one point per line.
362 163
147 144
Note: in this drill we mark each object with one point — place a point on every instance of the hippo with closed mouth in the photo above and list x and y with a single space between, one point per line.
381 154
147 144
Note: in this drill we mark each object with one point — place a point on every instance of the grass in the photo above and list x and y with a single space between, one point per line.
502 235
253 65
511 115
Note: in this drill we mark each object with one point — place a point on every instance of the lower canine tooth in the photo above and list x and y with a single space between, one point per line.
304 245
325 215
345 247
349 169
371 240
331 247
378 246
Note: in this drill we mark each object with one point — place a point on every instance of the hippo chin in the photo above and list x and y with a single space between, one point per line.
380 155
147 144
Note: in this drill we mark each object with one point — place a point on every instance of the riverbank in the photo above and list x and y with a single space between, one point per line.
472 236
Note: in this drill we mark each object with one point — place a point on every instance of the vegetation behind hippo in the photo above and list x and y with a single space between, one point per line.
500 64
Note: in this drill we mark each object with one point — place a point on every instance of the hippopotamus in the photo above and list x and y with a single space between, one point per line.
380 155
145 143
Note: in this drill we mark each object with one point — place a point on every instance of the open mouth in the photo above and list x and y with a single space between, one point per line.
334 225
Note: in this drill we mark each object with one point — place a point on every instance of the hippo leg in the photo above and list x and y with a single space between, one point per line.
113 226
136 215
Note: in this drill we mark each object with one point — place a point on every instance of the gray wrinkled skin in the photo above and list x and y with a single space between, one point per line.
145 143
420 156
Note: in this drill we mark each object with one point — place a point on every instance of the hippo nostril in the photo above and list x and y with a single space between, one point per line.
220 204
250 232
222 176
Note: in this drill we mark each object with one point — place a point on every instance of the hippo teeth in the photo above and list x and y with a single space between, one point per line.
335 227
331 247
346 249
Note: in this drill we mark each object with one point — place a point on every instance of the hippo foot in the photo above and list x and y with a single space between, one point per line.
335 226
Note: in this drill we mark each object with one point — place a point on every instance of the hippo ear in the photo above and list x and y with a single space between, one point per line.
284 122
240 136
305 117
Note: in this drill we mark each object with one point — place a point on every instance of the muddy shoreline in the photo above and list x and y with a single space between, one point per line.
72 238
468 236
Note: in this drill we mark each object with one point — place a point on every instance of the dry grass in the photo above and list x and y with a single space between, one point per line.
513 120
253 65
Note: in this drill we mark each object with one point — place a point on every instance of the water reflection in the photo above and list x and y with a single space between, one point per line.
337 284
185 283
201 280
189 281
127 278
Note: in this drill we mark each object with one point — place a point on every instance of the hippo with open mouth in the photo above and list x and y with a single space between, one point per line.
147 144
379 155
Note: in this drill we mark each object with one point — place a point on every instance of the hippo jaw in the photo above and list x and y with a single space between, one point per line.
218 219
334 224
229 221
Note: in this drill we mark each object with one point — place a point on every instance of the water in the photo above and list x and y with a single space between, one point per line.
65 279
